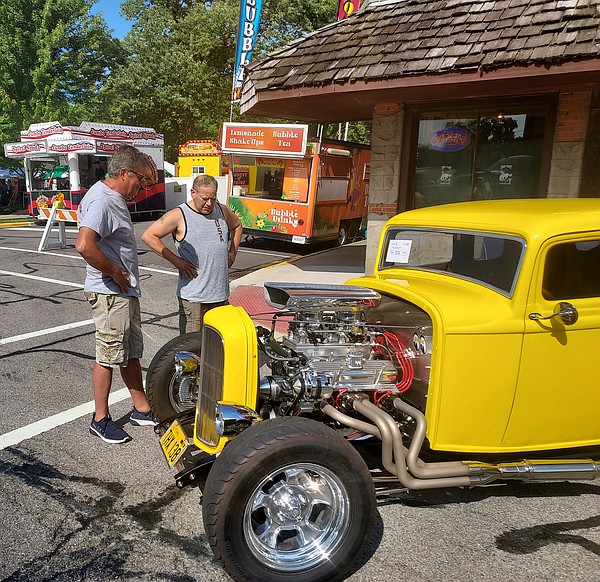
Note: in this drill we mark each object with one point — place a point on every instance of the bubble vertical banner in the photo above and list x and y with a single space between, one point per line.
246 38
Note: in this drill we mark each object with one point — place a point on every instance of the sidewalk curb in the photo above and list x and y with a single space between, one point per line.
15 222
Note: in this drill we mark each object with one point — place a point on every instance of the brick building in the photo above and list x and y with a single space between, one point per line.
468 99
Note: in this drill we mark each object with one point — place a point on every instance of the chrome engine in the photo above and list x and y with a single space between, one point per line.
340 340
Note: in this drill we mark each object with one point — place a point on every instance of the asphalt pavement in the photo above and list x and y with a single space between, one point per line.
334 266
74 508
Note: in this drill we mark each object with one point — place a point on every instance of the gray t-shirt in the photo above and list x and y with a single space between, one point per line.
105 212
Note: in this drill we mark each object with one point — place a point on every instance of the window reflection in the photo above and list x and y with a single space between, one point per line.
477 156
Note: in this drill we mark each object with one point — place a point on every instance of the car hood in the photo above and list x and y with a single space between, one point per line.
455 305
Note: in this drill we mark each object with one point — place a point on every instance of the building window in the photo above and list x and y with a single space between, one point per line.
198 169
479 153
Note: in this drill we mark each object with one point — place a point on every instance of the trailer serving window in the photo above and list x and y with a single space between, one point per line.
271 177
334 176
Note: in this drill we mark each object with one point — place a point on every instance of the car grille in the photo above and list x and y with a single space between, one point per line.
211 386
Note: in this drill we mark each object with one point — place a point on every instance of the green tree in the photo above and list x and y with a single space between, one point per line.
179 74
55 59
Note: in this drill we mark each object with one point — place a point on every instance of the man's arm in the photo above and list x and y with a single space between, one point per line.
86 245
236 230
166 225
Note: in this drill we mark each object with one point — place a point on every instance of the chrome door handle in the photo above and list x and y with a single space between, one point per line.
566 311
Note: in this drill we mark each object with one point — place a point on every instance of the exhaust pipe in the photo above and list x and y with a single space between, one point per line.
534 470
393 451
525 470
414 473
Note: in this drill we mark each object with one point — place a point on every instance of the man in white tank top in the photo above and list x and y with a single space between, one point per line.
207 236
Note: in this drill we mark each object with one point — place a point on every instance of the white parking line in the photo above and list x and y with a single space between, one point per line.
35 228
24 336
42 253
45 279
153 270
63 255
18 435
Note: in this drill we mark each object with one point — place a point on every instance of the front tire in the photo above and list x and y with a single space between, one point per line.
168 396
287 500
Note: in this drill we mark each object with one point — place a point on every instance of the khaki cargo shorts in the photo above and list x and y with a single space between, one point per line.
118 328
191 314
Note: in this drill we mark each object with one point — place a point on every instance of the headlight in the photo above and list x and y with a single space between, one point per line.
232 419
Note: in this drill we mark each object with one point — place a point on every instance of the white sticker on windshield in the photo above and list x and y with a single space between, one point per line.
398 251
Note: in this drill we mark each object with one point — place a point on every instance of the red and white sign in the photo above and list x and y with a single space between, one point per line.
60 214
347 7
71 146
24 149
256 138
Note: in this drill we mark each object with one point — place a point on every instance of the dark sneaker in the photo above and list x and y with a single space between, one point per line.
108 430
142 418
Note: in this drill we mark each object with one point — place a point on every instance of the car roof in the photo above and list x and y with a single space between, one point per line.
530 218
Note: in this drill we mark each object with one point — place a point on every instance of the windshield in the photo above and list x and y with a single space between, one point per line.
490 259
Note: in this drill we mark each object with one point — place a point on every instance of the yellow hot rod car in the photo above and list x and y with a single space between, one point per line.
466 358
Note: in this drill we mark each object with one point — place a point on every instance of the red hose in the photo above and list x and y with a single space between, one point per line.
400 355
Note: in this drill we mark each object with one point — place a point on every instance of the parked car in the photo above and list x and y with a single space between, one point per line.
508 177
467 358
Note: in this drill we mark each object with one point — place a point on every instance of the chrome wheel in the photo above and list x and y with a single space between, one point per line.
276 504
183 393
296 516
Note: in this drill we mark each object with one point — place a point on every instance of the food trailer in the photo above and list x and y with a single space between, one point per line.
286 186
62 162
200 156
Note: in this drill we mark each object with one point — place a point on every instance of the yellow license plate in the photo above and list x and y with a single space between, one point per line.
173 443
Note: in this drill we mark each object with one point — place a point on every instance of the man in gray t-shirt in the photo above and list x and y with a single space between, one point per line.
107 242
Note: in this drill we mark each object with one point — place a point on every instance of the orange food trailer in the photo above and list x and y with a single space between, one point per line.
286 186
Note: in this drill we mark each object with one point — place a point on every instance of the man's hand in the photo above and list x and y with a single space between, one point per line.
86 245
121 278
231 257
186 268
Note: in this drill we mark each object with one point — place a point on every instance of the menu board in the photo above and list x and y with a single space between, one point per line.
295 181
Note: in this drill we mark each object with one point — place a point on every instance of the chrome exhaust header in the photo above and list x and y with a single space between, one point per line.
413 473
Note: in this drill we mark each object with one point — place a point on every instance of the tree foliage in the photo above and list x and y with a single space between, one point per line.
55 61
179 75
172 72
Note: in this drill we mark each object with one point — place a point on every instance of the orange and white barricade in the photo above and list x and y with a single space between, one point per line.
55 217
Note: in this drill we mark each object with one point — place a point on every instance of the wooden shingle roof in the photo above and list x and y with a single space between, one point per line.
400 41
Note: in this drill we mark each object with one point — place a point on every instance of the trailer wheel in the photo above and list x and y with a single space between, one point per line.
288 500
353 231
342 235
166 394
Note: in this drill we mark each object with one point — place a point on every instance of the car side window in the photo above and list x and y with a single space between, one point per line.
493 260
572 271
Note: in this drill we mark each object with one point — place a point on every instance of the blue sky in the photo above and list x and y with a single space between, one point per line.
110 10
